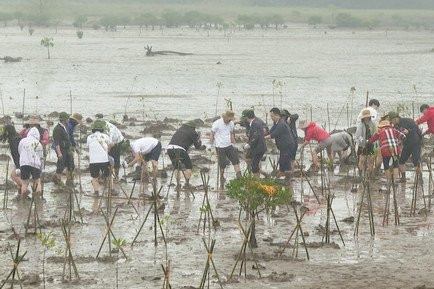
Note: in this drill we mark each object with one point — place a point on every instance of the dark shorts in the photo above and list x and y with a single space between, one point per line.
285 161
26 171
115 153
154 154
293 152
368 150
256 160
180 159
66 162
230 153
414 151
386 162
96 168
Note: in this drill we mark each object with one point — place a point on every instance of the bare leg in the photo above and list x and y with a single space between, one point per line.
95 185
155 169
38 187
187 176
315 160
24 186
17 180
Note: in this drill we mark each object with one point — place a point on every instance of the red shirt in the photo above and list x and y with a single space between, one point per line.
428 117
315 132
389 141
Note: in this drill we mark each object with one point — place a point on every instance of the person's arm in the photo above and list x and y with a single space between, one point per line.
213 131
422 119
197 142
294 117
56 139
137 158
374 138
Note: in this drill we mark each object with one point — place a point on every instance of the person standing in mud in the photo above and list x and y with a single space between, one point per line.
365 129
412 144
62 146
44 139
10 135
74 120
341 144
428 117
178 148
291 120
285 142
389 139
99 145
314 132
117 139
31 155
145 149
256 143
223 137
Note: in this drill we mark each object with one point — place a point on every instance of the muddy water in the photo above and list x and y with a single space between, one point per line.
100 69
316 65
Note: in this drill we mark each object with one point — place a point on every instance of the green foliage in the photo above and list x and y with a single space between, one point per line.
48 241
403 109
47 42
119 243
314 20
79 21
347 20
110 22
253 193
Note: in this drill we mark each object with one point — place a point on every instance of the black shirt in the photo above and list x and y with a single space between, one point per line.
281 132
61 137
185 136
414 134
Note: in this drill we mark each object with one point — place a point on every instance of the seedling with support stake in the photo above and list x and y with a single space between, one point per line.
154 205
205 276
16 262
298 231
34 216
109 233
68 259
206 215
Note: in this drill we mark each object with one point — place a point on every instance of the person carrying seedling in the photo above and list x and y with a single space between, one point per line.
428 117
256 143
223 137
314 132
31 154
145 149
117 140
412 144
62 146
285 142
178 148
291 120
99 145
365 129
10 135
389 139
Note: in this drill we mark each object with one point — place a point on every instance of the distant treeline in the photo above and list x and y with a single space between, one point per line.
195 19
350 4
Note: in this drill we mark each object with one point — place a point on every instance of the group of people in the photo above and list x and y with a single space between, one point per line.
395 138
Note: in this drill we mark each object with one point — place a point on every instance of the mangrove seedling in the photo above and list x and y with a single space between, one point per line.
47 42
119 245
219 86
48 241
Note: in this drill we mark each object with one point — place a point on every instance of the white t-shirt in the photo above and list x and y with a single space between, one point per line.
114 133
222 133
374 113
144 145
30 149
98 147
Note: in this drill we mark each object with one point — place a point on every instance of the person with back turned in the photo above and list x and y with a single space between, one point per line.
256 143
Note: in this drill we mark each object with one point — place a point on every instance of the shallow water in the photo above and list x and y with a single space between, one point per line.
315 67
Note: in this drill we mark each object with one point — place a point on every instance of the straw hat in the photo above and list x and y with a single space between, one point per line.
228 115
77 117
303 124
366 113
383 123
33 120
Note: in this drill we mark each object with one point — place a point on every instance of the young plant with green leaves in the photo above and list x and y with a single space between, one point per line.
47 42
119 245
48 241
256 195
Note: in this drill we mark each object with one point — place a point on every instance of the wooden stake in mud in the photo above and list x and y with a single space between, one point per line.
328 116
298 231
70 101
395 202
16 261
34 215
69 259
206 214
210 260
303 175
6 194
154 205
109 232
166 272
242 253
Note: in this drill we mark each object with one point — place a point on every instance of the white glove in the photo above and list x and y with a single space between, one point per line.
246 146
